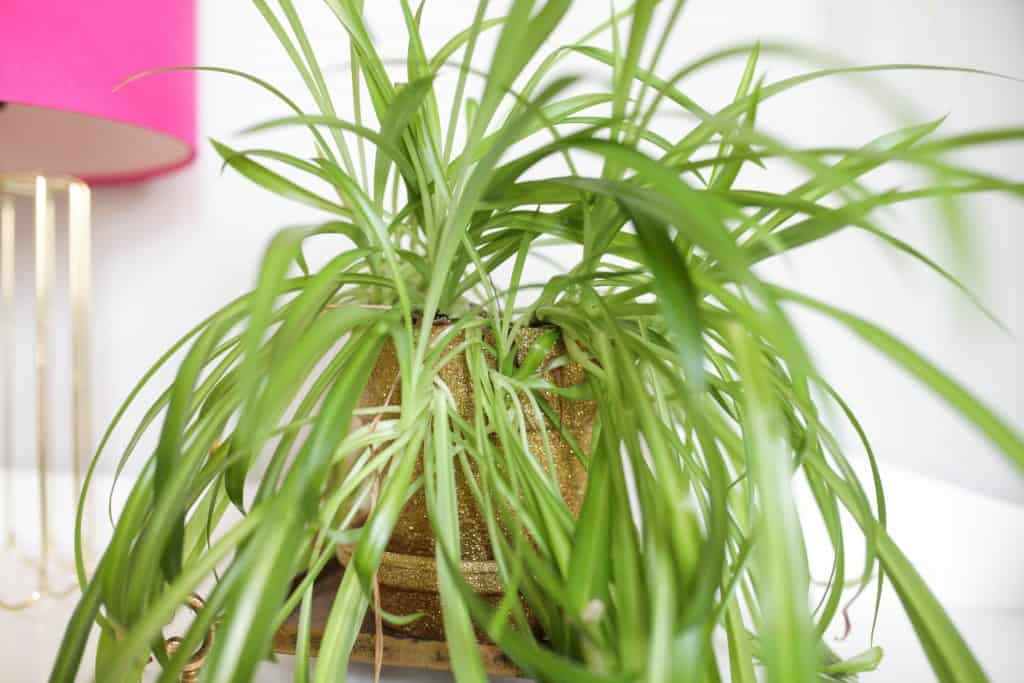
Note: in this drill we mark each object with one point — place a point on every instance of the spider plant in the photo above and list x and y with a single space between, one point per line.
708 405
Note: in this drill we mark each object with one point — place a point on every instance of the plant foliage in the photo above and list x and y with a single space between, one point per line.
709 406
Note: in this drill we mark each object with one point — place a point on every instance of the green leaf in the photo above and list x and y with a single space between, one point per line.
268 558
677 296
789 647
400 112
276 183
998 432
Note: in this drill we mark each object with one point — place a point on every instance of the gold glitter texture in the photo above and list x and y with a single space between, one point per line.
408 573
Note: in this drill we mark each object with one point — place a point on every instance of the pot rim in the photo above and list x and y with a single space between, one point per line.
444 320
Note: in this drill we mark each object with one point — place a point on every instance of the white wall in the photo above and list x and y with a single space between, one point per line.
170 251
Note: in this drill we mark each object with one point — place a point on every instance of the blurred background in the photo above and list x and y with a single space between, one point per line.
168 252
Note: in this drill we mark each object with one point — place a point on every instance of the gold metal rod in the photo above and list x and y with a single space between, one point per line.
44 229
79 271
7 232
41 191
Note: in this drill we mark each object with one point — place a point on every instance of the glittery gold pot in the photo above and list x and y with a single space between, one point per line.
408 573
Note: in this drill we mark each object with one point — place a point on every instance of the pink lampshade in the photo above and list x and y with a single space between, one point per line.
59 64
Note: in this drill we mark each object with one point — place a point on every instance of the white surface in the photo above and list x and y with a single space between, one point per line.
960 541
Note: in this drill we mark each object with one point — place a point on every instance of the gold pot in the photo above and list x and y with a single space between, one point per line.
408 574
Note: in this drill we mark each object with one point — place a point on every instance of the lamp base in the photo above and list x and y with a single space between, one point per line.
398 650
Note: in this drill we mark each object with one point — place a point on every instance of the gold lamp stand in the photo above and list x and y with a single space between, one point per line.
44 195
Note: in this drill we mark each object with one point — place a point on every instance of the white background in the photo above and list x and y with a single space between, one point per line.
170 251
